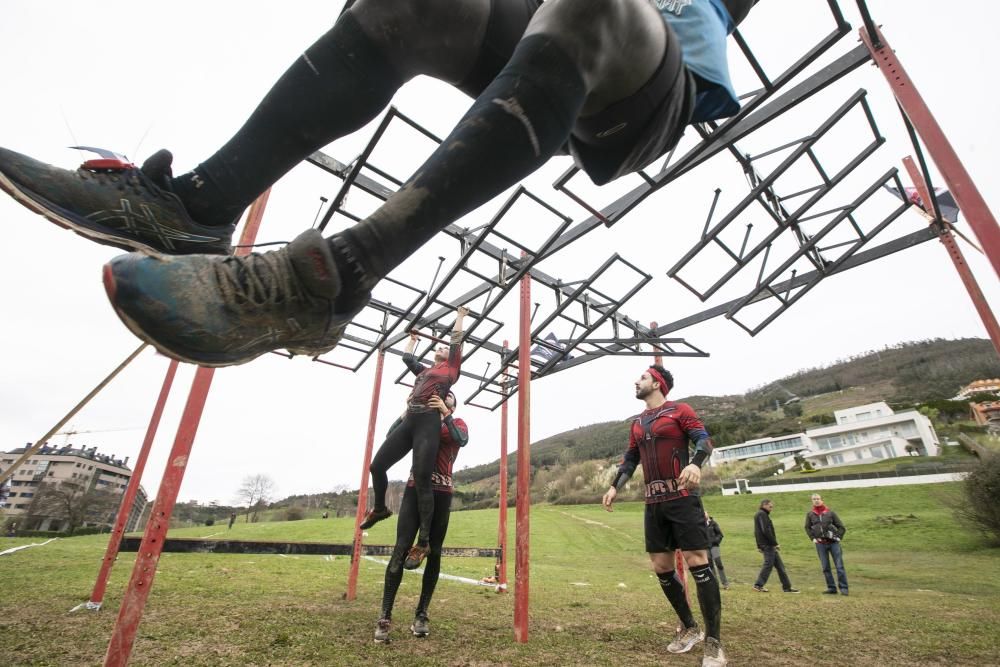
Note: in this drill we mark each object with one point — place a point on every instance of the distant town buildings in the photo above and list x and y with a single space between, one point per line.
862 434
984 413
80 470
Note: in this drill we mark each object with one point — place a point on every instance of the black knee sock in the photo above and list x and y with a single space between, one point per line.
674 590
512 128
709 599
431 572
339 84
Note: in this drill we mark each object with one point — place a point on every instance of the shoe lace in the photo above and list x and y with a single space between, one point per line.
259 280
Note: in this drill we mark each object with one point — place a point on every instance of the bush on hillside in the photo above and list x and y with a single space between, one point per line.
295 513
981 508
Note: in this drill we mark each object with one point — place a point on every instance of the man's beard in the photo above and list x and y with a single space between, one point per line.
643 393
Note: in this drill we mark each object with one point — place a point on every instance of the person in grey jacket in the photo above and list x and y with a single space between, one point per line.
767 544
715 553
826 530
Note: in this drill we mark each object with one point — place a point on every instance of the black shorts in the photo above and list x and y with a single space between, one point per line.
623 138
676 524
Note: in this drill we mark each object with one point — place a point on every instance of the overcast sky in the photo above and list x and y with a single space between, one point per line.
131 78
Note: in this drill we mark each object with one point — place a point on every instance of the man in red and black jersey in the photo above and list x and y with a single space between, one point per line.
418 431
660 439
454 435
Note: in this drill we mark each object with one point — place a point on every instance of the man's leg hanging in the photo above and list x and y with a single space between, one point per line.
406 529
432 566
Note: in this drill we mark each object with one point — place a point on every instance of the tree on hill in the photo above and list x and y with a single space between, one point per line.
255 493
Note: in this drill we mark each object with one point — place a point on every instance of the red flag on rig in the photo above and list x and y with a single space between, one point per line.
947 203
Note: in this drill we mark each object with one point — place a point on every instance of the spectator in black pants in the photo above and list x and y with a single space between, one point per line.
767 544
715 553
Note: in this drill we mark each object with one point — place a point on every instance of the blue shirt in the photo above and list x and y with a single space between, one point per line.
702 27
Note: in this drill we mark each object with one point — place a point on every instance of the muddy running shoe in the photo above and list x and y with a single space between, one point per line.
222 311
374 516
686 640
416 556
121 206
714 655
382 629
760 589
421 626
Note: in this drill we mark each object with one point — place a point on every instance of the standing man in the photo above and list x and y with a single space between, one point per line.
826 530
767 544
715 559
419 431
675 519
454 435
614 84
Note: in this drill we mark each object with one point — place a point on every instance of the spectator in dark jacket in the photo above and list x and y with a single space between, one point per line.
825 529
715 559
767 544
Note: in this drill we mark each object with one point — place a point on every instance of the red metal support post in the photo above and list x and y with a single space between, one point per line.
957 258
352 578
523 512
973 207
502 528
97 596
144 570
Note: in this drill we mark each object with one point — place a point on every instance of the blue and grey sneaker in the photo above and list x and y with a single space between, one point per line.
421 626
113 202
222 311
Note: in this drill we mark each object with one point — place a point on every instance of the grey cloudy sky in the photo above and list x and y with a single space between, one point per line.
133 78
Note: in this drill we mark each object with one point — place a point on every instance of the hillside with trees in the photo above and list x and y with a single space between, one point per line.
576 465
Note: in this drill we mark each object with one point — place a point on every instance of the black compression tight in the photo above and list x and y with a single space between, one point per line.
406 530
420 432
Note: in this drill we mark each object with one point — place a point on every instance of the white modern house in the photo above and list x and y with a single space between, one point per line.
862 434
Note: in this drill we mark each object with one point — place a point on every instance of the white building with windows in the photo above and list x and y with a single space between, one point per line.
862 434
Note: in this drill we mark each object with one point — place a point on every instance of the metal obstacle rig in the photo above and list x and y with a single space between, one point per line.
815 232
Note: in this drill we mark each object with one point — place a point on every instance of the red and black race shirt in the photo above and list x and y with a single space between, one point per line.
447 453
436 379
659 440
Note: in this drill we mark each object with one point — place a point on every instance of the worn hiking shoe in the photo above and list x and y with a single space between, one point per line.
416 556
222 311
374 516
714 655
686 640
382 629
113 202
421 626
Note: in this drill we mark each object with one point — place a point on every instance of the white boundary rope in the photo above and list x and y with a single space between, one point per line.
27 546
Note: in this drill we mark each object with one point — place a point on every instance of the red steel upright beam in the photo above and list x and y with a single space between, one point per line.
977 214
502 528
97 596
141 582
352 578
957 258
523 466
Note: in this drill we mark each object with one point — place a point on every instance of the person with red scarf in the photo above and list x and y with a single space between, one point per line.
825 529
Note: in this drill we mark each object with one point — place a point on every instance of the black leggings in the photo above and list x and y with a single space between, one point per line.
421 432
406 529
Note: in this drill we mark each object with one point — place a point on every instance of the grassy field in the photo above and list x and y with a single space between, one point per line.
923 592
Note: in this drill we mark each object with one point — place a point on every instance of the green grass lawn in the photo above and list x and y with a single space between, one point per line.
923 592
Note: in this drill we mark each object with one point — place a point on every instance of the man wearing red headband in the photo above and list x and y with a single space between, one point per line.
675 519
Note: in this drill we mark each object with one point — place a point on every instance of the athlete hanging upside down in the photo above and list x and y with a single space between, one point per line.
454 435
418 430
613 82
675 518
